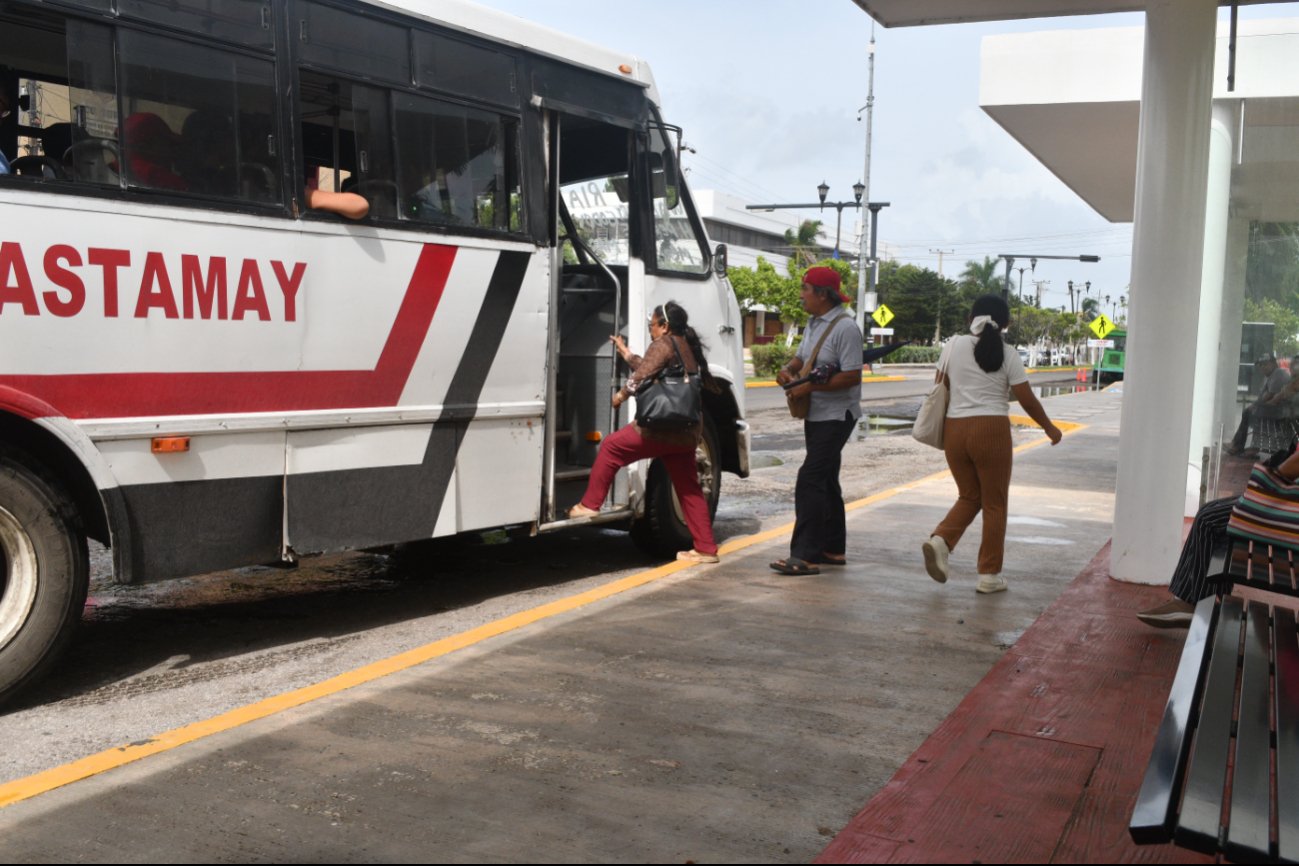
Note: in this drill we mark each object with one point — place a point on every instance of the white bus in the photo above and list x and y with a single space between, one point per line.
201 372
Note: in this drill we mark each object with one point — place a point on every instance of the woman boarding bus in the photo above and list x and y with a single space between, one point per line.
279 279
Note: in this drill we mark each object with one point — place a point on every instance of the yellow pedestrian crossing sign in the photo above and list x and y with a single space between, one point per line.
882 316
1101 326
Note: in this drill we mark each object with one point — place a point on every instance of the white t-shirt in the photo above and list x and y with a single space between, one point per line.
975 392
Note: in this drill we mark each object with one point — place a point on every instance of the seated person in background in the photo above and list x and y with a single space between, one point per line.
151 152
1191 581
1274 380
1287 397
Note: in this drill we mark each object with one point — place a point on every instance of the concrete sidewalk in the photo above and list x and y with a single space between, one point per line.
722 713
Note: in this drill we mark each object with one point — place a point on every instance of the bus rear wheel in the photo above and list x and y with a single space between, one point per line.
44 573
662 531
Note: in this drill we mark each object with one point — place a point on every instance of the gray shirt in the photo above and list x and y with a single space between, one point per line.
844 347
1274 383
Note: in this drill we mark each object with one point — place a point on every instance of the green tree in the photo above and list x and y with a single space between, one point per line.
803 247
1272 270
980 278
917 296
1286 335
763 286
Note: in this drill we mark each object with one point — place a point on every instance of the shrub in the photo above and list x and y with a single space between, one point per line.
770 357
914 355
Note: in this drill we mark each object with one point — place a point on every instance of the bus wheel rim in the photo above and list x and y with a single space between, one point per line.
18 569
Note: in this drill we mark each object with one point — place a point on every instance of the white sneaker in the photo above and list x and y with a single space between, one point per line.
935 550
991 583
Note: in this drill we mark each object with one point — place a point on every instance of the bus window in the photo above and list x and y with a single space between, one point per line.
355 43
346 141
197 119
459 165
677 247
463 69
67 103
243 22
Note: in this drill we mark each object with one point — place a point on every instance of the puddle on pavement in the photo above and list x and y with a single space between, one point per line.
1059 388
881 425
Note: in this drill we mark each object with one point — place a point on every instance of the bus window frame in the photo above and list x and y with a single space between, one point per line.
142 195
650 243
525 231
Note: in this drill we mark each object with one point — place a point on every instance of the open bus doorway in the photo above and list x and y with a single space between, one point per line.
591 163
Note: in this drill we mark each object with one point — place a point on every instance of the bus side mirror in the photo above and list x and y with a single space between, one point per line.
719 260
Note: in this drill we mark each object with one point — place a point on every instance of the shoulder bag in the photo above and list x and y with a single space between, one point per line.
1268 510
801 405
672 399
933 413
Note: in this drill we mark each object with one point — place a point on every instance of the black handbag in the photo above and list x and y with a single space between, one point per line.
672 400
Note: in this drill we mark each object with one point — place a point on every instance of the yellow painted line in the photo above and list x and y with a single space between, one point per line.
110 759
865 381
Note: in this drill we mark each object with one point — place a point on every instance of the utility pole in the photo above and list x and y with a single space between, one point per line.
1041 286
938 321
869 108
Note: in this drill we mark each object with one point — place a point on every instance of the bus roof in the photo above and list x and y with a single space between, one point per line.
513 30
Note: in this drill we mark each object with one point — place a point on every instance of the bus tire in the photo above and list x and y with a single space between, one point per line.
662 531
44 573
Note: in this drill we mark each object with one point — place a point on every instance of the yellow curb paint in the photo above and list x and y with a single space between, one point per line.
92 765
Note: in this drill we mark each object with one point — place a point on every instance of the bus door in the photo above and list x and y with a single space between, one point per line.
596 279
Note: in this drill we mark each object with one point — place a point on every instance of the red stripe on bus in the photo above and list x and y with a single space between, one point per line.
132 395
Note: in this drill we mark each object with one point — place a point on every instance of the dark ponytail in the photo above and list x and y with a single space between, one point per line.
990 351
678 321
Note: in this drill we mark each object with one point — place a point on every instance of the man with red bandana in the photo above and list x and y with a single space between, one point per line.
820 532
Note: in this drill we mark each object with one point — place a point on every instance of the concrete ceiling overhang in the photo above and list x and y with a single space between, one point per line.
914 13
1078 113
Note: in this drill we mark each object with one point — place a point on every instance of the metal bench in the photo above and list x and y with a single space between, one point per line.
1223 777
1272 432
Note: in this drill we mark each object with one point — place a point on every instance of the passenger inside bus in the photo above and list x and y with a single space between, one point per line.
204 156
151 152
4 116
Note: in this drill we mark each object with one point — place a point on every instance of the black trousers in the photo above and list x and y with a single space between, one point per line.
1190 580
819 521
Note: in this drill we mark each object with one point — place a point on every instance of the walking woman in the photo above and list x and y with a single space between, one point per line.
982 372
671 334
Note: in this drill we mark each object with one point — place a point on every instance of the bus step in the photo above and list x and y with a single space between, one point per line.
573 474
621 515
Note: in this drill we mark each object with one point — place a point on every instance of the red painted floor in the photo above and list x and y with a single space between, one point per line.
1042 761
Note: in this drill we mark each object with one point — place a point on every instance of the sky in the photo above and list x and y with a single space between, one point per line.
768 93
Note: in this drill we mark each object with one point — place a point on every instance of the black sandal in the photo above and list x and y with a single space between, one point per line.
825 559
794 567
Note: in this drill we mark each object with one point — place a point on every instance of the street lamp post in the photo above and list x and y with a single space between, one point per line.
1010 263
823 190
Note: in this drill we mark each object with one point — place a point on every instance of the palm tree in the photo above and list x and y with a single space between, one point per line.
982 278
802 246
1090 309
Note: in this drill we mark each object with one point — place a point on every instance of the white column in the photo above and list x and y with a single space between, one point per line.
1233 315
1208 344
1167 254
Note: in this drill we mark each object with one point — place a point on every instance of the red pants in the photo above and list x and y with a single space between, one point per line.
628 446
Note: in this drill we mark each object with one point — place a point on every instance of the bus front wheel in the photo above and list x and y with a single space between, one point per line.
662 531
44 573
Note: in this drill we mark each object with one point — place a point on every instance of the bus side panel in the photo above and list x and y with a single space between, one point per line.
340 492
193 527
217 505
